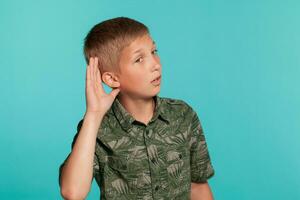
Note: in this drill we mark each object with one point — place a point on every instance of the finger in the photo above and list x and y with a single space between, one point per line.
87 77
115 92
92 68
88 70
98 75
96 70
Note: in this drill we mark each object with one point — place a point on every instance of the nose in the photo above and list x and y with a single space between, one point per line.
156 63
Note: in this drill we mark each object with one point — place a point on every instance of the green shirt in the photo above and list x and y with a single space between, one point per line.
154 161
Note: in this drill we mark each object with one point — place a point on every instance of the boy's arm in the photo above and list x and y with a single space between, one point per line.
201 166
201 191
77 171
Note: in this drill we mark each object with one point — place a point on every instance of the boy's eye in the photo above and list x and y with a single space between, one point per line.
155 51
139 59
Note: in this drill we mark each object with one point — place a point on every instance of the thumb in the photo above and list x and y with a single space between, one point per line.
115 92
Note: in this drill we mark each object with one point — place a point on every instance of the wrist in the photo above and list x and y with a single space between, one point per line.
94 115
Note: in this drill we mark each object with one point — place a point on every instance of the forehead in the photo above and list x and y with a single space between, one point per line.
139 44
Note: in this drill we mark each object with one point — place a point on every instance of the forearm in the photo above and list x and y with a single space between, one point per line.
77 172
201 191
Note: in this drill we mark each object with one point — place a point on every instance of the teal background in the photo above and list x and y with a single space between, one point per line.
235 62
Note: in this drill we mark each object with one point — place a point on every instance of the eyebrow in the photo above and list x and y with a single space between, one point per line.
136 51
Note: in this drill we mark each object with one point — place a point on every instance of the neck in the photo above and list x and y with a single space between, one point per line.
141 109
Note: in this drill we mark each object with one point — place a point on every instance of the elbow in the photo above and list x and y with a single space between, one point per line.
201 191
73 193
72 189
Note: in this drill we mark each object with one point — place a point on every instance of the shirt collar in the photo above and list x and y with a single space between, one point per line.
126 119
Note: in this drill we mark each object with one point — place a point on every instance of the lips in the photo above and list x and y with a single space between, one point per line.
156 78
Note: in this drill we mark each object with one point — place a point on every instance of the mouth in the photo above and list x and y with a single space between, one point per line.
156 81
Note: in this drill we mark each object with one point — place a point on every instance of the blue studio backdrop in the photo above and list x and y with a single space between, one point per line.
236 63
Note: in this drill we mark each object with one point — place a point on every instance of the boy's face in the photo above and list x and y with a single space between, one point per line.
139 66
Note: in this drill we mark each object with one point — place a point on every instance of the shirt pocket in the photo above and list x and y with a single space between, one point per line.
118 177
120 166
177 159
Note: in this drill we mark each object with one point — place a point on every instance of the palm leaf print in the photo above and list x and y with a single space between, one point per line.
120 186
152 151
173 155
137 152
121 143
175 169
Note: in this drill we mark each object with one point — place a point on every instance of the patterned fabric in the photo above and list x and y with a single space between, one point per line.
154 161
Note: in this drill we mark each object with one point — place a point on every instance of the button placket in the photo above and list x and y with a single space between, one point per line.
155 179
149 133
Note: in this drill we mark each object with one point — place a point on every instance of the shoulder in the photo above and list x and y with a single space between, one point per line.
173 101
176 103
177 107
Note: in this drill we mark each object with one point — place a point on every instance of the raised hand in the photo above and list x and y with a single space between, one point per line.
97 100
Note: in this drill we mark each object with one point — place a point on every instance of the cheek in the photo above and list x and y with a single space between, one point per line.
139 80
135 79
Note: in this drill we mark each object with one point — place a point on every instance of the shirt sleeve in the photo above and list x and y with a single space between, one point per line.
201 166
95 164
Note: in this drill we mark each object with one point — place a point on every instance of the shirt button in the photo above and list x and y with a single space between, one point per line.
156 188
148 132
124 167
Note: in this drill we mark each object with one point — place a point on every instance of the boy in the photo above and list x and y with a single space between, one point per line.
136 144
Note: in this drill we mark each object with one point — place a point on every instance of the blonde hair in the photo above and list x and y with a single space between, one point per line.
107 39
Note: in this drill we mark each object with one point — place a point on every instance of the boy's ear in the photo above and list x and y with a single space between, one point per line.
110 79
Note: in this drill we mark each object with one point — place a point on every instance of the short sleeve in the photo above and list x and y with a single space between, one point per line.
96 163
201 166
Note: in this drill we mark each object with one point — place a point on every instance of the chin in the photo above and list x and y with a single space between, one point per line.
156 92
